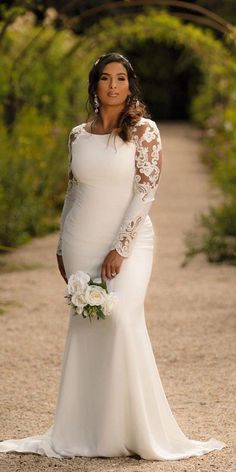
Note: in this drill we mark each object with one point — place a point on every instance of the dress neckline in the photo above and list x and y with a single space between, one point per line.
93 134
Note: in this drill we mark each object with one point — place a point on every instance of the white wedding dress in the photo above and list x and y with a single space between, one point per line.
111 400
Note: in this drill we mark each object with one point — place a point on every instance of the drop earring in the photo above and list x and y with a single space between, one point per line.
96 103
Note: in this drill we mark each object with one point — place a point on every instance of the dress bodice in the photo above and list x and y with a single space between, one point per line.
103 168
102 161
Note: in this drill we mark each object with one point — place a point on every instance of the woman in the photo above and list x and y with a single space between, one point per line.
111 401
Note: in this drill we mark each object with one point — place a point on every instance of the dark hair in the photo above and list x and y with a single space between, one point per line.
134 108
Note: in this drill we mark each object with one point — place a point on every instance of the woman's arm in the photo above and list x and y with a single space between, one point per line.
70 191
148 164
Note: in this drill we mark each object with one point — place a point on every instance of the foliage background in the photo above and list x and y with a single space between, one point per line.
45 58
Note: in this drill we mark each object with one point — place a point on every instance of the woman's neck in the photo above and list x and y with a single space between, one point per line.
107 120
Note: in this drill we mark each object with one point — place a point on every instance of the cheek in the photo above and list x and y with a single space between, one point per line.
123 86
102 86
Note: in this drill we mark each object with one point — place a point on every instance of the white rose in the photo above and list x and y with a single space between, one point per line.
98 280
82 276
78 299
79 309
78 282
71 287
95 295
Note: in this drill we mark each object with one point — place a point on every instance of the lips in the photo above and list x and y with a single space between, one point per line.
112 94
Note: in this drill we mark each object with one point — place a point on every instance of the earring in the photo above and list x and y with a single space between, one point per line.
137 104
96 103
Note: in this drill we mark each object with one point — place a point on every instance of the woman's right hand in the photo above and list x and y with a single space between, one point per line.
61 267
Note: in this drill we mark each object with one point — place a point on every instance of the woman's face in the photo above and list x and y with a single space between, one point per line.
113 85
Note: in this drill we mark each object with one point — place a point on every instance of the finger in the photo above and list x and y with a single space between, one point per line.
113 271
108 271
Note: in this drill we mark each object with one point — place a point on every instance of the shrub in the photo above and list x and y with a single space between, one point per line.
36 114
39 105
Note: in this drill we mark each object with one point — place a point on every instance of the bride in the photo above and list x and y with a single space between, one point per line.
111 401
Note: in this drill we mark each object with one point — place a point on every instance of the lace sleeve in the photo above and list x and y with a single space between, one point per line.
148 163
70 191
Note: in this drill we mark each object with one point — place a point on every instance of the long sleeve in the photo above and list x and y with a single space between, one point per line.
70 191
148 163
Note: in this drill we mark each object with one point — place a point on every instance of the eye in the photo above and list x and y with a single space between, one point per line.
103 77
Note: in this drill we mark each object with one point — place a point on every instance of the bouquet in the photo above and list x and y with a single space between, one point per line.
90 298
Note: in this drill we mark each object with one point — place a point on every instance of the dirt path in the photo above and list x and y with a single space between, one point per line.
189 314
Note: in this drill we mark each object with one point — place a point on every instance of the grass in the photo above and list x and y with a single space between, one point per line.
5 305
7 266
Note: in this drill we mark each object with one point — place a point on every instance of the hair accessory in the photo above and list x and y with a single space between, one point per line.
120 55
99 59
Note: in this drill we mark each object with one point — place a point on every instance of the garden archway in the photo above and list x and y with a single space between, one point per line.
201 50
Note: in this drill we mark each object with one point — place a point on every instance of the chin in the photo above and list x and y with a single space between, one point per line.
115 102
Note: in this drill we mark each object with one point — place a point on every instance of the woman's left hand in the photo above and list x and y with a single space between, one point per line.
111 265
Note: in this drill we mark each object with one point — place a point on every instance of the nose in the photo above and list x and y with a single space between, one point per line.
113 83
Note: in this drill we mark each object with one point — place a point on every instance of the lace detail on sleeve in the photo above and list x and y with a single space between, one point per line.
148 162
71 188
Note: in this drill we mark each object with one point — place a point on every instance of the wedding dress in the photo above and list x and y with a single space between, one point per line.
111 400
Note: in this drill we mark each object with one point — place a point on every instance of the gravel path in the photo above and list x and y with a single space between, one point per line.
190 317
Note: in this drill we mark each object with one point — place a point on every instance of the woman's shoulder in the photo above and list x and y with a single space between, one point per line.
77 128
75 132
144 124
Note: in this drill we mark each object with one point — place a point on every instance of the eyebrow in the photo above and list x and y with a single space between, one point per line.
119 73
